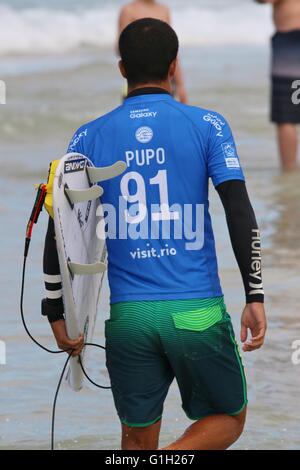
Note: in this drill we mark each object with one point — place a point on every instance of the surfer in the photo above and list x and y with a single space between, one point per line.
285 113
168 318
139 9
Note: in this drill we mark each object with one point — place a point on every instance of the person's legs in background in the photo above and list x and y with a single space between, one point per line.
284 112
288 146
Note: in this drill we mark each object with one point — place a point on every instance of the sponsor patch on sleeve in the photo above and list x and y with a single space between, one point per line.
232 162
230 155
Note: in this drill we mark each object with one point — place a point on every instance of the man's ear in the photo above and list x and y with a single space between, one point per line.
172 69
122 69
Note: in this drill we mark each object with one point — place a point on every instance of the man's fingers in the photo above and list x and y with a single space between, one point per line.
67 348
260 336
254 343
77 352
74 343
72 346
244 333
258 341
249 347
72 351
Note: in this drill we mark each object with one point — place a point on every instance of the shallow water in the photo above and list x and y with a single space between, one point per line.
45 105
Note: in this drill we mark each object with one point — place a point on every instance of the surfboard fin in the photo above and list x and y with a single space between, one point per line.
87 269
82 195
106 173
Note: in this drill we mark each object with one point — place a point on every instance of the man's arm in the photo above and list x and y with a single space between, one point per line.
52 305
224 168
245 239
245 236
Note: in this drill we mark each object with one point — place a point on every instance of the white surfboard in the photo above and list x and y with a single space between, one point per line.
82 255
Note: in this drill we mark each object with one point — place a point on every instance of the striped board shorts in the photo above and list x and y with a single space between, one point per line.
151 343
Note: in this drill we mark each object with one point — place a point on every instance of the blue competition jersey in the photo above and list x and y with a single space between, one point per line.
159 234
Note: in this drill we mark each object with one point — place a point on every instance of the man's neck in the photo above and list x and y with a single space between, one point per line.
148 91
163 85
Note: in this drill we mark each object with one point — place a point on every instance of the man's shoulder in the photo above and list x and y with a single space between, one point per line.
200 116
90 130
96 124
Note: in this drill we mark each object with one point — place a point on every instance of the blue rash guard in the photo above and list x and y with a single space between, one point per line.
159 233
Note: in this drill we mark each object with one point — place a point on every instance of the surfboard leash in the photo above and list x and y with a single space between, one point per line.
37 209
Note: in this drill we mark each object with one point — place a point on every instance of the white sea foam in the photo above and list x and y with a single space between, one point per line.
42 30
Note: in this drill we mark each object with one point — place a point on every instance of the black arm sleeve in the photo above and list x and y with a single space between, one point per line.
245 236
52 305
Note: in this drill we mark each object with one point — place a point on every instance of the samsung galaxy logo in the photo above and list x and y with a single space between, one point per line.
216 122
142 113
76 139
75 165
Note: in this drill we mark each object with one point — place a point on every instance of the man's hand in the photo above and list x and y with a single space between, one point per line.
64 343
254 319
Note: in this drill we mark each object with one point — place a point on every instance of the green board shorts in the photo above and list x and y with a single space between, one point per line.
149 343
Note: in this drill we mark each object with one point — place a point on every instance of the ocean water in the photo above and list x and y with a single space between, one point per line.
60 69
37 27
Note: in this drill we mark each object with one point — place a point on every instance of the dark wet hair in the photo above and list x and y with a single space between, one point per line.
147 48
